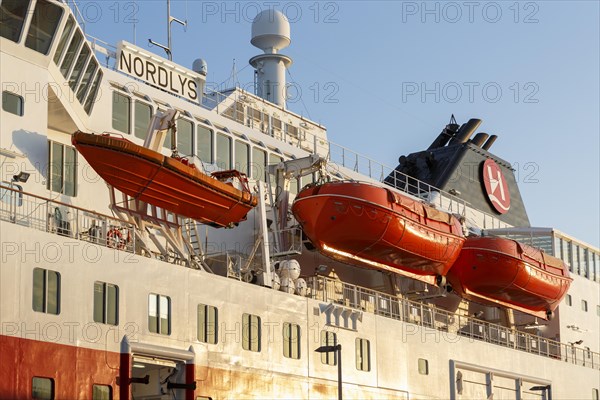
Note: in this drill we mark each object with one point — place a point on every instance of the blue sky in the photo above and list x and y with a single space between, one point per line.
384 77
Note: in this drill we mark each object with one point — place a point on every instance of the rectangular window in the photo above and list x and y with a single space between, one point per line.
72 50
12 15
101 392
142 113
291 341
204 144
42 388
121 114
66 33
185 133
329 339
208 322
91 98
62 169
12 103
274 159
595 395
81 62
598 311
106 303
241 156
251 332
85 81
223 151
259 164
423 366
568 300
43 26
584 305
363 355
159 314
305 180
46 291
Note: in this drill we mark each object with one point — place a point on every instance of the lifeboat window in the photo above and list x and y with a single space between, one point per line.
91 99
291 341
12 103
121 116
159 314
42 388
251 332
62 169
142 114
423 366
101 392
584 305
12 15
241 156
43 26
46 291
185 133
66 33
259 163
106 303
72 50
329 338
85 80
204 144
363 355
223 151
79 65
208 323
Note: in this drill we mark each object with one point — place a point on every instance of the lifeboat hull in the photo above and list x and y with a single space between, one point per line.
163 181
499 271
373 227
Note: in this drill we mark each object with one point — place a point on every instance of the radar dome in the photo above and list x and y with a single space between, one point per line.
270 31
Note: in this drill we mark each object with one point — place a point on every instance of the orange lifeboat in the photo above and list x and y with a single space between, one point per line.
498 271
374 227
167 182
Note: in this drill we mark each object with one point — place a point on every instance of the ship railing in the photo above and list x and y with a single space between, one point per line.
289 242
65 220
451 325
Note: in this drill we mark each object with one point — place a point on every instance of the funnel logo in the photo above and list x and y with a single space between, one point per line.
495 186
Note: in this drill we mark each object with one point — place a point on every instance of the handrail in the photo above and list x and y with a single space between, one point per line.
426 315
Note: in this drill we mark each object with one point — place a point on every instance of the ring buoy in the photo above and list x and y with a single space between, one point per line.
114 239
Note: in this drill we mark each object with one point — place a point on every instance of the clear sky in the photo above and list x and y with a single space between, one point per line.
384 78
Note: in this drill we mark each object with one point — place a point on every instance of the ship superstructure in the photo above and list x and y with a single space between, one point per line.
104 297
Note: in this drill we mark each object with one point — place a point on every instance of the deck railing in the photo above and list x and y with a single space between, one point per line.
455 325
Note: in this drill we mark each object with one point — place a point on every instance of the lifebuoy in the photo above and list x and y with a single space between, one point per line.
114 239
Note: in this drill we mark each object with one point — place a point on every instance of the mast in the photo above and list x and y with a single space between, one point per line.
168 48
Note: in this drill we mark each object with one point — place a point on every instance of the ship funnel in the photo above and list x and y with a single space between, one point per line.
466 130
489 142
480 138
271 33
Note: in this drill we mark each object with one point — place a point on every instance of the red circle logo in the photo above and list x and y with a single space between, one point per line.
495 186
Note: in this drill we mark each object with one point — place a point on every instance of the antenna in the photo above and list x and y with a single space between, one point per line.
168 48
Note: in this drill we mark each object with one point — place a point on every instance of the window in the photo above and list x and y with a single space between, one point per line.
208 322
329 339
159 314
584 306
101 392
42 388
66 33
12 103
274 159
12 15
72 50
291 341
121 112
91 99
595 394
62 169
106 303
85 81
259 163
251 332
363 355
598 311
241 156
142 114
43 26
305 180
10 197
46 291
78 68
204 144
423 366
223 151
185 132
568 300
